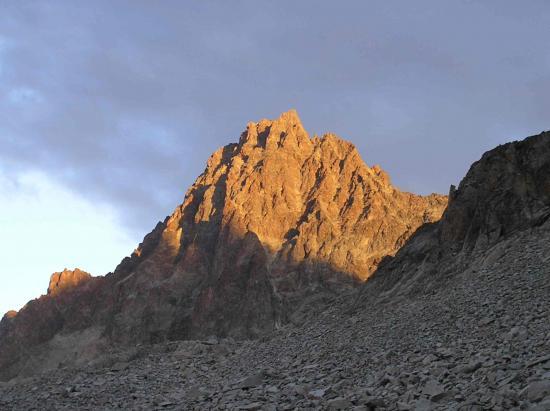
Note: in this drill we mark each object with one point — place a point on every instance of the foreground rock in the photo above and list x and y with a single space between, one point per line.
276 225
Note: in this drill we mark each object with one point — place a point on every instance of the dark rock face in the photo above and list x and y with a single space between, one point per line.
275 222
506 191
71 304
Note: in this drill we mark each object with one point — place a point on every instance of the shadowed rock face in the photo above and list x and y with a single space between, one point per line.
75 301
274 222
506 191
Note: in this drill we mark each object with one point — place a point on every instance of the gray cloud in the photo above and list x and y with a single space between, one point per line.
124 101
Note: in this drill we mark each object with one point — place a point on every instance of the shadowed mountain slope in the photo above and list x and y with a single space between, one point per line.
503 193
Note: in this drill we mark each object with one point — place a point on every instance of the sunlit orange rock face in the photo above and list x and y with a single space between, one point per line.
66 280
274 217
275 221
10 314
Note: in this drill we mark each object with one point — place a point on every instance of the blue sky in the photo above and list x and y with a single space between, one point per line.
109 109
47 227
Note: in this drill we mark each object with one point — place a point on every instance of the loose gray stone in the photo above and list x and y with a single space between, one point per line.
536 391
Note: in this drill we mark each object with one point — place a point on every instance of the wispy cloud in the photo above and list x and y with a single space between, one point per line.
22 96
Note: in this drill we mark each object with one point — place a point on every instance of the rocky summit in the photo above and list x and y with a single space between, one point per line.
294 276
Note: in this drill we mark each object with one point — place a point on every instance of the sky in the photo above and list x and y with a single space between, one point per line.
110 109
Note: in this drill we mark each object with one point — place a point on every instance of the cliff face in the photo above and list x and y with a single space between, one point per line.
274 222
508 189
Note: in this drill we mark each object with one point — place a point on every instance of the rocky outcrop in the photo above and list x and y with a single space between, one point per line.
10 314
66 280
275 223
75 301
506 191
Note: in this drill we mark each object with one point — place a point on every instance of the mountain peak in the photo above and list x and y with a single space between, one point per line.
286 131
290 117
271 220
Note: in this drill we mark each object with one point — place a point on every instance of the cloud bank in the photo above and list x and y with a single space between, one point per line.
123 101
